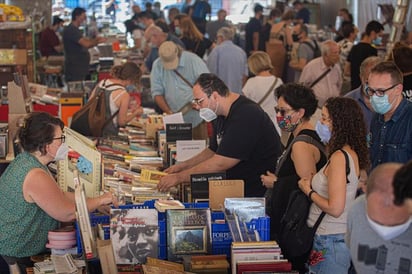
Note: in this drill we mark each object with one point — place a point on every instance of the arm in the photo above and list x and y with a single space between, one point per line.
89 43
161 102
255 41
335 172
123 103
346 70
58 48
40 188
304 157
298 64
217 163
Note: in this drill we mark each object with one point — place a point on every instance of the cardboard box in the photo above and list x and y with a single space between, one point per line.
13 57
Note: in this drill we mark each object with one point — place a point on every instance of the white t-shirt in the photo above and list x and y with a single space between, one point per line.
257 87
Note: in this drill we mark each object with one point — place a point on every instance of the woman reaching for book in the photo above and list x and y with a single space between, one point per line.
31 201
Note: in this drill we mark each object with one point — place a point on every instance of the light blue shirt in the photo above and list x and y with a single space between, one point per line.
229 63
356 94
176 92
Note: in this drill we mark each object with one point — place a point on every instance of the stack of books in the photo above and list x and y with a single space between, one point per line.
257 257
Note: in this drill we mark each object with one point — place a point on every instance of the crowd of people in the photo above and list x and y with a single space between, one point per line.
348 147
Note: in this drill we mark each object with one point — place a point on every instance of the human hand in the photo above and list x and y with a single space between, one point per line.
109 198
269 179
101 39
167 181
175 168
305 185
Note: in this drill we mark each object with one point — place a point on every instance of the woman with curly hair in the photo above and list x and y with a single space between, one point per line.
331 189
189 34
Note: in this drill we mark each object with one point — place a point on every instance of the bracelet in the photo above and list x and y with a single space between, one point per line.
310 194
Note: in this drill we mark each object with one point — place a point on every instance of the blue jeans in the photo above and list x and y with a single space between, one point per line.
332 253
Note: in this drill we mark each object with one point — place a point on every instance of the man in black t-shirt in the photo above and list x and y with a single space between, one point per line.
244 144
252 29
363 50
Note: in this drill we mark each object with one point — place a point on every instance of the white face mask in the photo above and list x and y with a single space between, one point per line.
62 152
207 114
389 232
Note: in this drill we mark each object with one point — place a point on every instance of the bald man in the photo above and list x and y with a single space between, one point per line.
379 233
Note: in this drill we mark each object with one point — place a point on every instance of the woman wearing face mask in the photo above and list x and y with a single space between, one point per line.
191 37
32 202
302 157
332 190
123 77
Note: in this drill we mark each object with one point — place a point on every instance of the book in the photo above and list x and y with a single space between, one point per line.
222 189
208 262
264 265
161 205
153 269
134 234
151 176
188 232
164 264
199 184
253 255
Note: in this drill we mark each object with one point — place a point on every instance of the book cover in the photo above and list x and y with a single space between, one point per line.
161 205
188 232
219 190
165 264
153 269
253 256
134 233
263 266
200 184
151 176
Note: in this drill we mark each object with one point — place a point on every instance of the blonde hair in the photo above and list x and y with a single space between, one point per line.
259 61
189 28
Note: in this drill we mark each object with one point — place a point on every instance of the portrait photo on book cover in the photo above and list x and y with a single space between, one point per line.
134 234
189 239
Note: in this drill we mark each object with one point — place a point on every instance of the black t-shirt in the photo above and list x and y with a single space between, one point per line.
254 25
407 87
247 134
197 47
356 56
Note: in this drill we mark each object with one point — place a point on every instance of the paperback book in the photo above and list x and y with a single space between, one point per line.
134 233
188 232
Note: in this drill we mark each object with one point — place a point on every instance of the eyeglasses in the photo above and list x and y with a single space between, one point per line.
197 101
61 138
379 92
282 111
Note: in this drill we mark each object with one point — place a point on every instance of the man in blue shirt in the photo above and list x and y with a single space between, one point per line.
391 127
171 80
228 61
302 13
360 95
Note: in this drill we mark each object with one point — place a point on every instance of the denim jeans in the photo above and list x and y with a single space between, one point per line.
332 255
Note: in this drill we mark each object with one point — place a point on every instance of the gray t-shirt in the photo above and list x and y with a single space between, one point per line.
304 52
369 252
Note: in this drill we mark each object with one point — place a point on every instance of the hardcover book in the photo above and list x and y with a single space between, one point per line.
134 233
200 184
188 232
222 189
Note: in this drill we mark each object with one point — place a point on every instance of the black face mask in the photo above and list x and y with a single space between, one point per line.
295 37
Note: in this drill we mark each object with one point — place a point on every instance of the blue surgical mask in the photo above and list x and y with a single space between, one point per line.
380 105
323 131
277 20
178 31
141 25
377 41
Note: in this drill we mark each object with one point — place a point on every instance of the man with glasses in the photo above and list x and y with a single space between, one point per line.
391 127
244 144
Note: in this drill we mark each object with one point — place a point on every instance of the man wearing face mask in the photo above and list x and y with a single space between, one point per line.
379 233
32 202
362 50
76 47
391 127
360 95
305 52
49 42
245 143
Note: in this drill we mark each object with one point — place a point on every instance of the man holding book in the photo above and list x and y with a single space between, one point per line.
245 143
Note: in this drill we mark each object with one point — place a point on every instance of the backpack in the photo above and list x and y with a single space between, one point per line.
296 237
94 116
316 50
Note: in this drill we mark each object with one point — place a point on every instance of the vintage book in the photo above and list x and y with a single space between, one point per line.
134 233
263 266
129 269
222 189
151 176
209 262
200 184
254 254
161 205
164 264
176 132
153 269
188 232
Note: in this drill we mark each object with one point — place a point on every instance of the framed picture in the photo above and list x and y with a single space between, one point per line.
189 239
